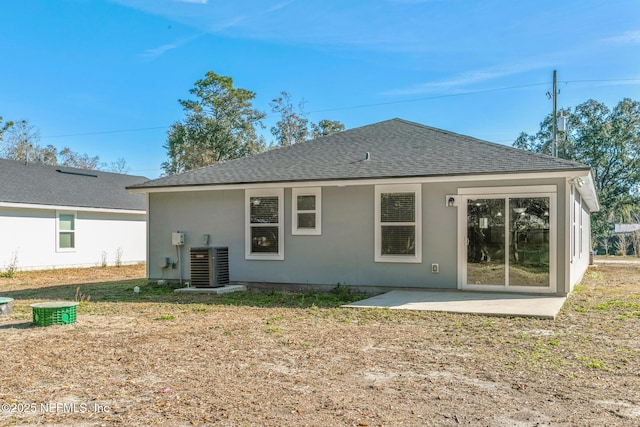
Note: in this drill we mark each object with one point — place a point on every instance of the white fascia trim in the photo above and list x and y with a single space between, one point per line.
367 181
589 193
525 189
69 208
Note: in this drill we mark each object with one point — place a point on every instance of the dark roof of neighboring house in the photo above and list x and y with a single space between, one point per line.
397 149
37 183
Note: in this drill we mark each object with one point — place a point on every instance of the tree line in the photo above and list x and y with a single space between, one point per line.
20 141
608 140
222 124
219 124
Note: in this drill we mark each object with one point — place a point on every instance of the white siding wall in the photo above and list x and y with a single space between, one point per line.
30 235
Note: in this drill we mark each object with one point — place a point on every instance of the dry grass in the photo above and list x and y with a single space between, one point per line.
161 358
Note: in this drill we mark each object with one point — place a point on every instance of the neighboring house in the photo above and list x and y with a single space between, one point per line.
625 228
53 217
392 204
626 239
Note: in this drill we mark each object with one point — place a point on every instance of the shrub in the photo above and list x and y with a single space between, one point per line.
12 267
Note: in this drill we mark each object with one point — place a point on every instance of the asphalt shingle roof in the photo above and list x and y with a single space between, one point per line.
397 148
36 183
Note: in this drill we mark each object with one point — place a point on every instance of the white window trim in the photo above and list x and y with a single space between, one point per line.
572 225
549 191
575 218
400 188
309 191
266 192
58 231
580 227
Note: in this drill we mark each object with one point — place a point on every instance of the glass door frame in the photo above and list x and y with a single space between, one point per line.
466 194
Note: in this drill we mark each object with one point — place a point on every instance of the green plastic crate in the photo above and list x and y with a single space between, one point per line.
54 313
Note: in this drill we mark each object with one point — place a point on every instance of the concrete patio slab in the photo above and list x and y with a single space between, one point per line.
488 303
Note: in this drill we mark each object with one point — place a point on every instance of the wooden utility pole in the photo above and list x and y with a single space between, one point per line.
554 119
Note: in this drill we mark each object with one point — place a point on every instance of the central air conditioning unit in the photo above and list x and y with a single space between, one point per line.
209 267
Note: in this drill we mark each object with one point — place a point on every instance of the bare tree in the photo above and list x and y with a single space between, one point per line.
21 142
292 126
605 242
635 241
634 217
119 166
622 244
72 159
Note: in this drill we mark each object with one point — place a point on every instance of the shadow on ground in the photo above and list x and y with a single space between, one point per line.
123 291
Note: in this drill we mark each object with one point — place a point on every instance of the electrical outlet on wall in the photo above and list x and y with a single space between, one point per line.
435 268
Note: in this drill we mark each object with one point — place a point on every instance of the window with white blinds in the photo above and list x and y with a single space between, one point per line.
398 223
264 220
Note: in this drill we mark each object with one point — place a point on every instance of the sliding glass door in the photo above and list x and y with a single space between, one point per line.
529 242
486 248
508 242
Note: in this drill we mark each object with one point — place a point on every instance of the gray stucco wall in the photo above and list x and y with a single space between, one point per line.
344 253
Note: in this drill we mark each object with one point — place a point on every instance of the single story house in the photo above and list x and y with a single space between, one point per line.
625 228
391 204
55 217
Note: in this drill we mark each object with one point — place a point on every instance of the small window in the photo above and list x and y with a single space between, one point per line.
306 211
264 224
66 226
398 223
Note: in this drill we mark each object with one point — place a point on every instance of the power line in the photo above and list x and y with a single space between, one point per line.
315 111
467 93
600 81
451 95
104 132
354 107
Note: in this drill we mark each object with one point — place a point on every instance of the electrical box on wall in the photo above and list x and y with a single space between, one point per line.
177 238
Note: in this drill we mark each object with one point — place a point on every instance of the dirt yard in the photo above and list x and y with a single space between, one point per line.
160 358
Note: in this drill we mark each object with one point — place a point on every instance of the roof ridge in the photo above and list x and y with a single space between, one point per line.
36 183
484 141
399 148
72 168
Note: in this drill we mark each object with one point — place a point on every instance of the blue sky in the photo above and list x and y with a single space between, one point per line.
104 77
